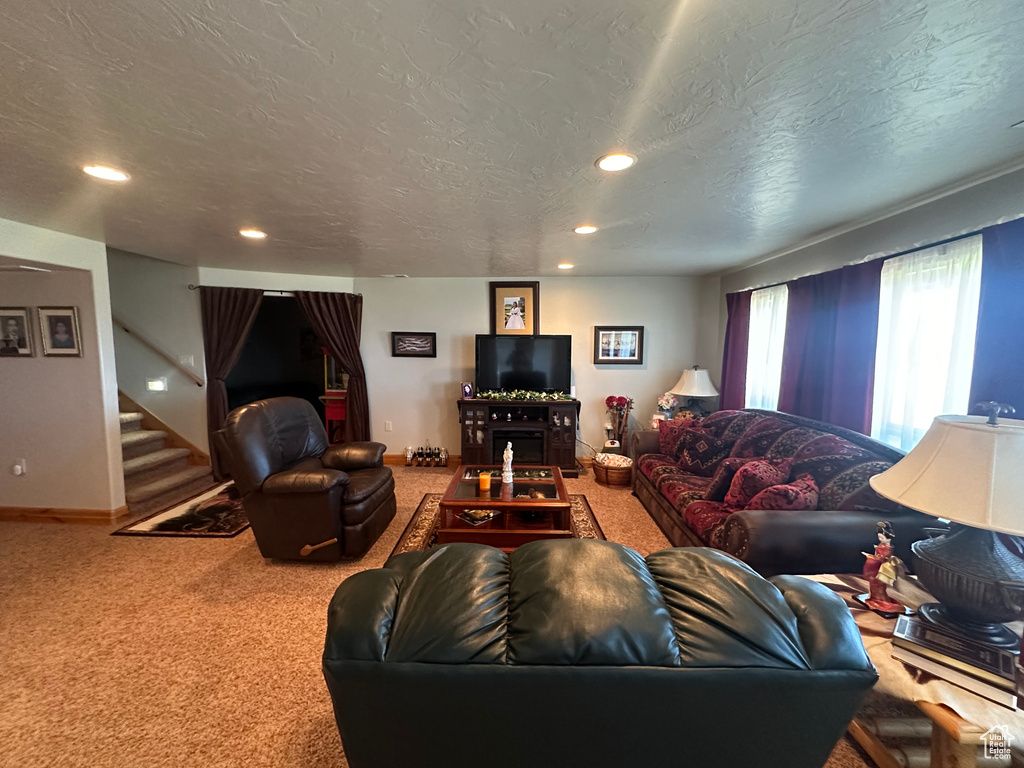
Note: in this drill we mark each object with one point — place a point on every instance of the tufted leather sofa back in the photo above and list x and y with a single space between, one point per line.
268 436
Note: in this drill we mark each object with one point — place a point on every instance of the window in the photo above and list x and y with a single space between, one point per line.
764 346
927 317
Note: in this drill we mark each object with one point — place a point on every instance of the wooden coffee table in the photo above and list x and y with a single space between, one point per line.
534 506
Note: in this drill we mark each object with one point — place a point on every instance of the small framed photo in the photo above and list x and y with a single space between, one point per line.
410 344
515 309
656 420
468 390
59 329
15 332
619 345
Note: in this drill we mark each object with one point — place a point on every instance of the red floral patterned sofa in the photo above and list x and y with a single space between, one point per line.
783 493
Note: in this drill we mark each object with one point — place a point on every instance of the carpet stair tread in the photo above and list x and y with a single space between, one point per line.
131 422
164 485
141 436
173 496
154 460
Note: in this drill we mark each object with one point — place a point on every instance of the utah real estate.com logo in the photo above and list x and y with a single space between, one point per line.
997 742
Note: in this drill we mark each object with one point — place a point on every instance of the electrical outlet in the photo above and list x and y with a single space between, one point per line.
19 468
388 426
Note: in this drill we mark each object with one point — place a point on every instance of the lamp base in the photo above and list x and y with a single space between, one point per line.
996 635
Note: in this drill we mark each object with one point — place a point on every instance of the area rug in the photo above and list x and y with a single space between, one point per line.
216 513
421 532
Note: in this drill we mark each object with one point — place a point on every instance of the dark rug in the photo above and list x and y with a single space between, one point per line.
421 532
215 513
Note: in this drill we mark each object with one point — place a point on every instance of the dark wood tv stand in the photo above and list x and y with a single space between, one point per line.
541 431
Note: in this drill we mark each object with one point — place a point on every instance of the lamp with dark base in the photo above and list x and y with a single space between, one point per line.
966 469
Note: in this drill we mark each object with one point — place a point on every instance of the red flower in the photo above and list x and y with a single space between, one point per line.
621 402
609 401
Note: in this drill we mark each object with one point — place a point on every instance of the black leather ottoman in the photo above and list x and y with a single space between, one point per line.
583 653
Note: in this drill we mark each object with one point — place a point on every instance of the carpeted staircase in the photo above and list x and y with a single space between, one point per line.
156 477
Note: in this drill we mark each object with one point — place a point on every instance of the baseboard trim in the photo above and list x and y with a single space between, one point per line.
398 460
61 515
196 457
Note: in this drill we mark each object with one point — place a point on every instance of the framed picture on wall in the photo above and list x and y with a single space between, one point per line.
619 345
15 332
410 344
515 309
59 329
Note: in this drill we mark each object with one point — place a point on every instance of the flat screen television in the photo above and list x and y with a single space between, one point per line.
539 363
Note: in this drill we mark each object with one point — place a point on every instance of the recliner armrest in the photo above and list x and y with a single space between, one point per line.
305 481
349 456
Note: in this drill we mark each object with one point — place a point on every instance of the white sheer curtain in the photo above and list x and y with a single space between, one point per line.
764 346
927 317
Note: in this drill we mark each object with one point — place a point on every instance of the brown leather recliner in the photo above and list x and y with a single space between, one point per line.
305 499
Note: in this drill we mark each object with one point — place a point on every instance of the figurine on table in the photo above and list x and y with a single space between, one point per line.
506 468
881 569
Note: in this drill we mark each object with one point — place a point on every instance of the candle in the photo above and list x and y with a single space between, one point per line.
485 482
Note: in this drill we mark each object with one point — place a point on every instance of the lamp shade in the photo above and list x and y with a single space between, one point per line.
964 470
694 382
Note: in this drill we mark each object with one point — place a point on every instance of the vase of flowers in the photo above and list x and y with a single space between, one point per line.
618 416
666 403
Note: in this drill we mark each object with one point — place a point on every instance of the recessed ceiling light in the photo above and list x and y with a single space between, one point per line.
619 161
586 229
108 174
566 266
253 234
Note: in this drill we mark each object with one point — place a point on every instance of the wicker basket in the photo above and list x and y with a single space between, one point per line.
613 475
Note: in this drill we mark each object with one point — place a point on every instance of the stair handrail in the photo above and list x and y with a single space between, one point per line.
131 332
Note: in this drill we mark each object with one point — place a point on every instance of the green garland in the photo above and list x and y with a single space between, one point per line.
520 394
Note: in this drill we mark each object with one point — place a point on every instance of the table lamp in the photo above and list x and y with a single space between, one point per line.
694 384
968 470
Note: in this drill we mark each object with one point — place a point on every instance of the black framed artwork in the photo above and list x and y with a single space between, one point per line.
15 332
413 344
619 345
515 309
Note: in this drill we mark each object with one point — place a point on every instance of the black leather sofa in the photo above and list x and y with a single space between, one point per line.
306 500
584 653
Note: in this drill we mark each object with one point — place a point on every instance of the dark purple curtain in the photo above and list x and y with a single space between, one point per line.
734 360
228 314
337 319
828 361
999 344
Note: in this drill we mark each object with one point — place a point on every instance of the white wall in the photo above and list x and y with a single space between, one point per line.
418 395
273 281
1000 199
60 413
152 297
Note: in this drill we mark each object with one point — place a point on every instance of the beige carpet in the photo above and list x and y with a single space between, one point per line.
149 651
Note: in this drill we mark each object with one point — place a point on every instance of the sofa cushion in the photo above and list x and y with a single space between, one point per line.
703 517
700 453
759 437
731 425
800 495
841 470
653 465
753 477
671 431
682 490
722 479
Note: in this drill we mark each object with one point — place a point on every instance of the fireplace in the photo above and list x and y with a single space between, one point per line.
527 446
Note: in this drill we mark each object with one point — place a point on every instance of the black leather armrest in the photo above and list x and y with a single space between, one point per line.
349 456
819 541
305 481
645 441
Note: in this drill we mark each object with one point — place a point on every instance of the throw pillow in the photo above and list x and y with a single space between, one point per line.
800 495
701 453
722 478
670 432
753 477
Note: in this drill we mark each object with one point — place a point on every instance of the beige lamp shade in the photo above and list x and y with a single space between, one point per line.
694 382
964 470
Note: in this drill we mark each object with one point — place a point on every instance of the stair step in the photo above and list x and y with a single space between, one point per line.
165 485
140 442
152 466
131 422
173 497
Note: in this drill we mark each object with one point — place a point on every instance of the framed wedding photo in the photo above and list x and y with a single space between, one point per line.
410 344
619 345
15 332
59 329
515 309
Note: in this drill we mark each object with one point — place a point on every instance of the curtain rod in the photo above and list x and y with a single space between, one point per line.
194 287
880 258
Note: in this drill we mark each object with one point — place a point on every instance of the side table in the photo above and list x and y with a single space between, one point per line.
954 724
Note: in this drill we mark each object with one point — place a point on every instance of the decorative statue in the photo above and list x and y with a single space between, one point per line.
506 468
881 569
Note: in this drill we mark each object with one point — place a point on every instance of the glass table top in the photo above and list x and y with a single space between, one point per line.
471 473
521 491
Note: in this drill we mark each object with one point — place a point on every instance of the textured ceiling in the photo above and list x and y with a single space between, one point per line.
458 137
